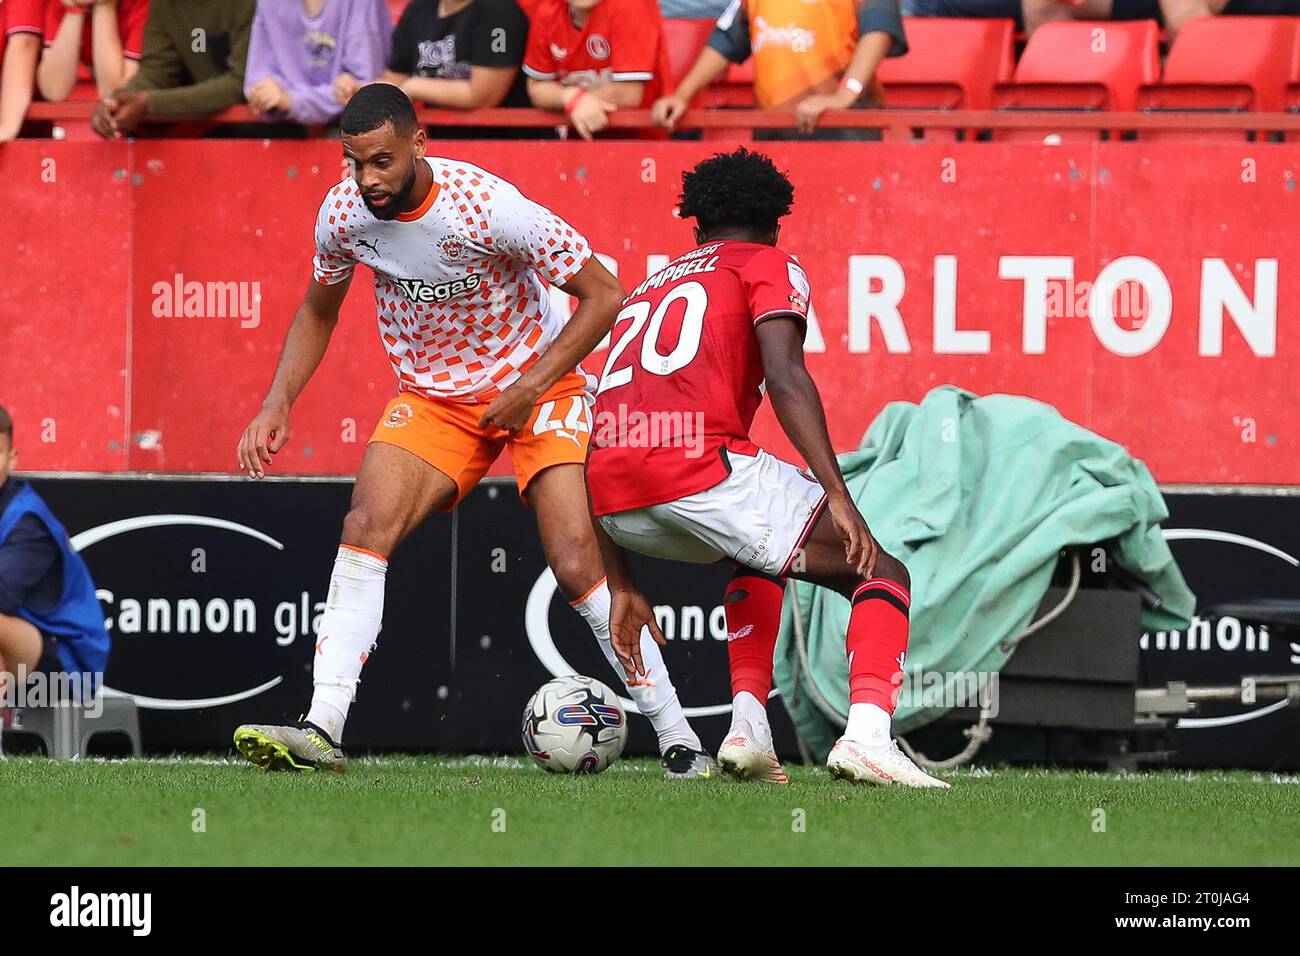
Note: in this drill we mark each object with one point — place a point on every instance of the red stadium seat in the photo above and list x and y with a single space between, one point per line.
950 64
85 88
1225 64
1082 65
683 41
736 88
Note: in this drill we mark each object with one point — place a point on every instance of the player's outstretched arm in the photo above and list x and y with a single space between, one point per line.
304 347
798 407
600 296
629 611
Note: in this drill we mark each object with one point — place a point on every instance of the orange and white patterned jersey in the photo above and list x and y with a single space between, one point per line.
460 282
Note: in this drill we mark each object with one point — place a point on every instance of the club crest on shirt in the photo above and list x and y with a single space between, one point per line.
799 286
399 416
598 47
451 249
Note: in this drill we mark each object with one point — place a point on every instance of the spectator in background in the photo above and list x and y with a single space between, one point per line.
50 619
23 22
692 9
589 57
807 56
460 54
1171 13
307 57
974 9
104 35
192 65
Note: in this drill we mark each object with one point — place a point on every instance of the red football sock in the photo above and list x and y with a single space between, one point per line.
753 607
876 642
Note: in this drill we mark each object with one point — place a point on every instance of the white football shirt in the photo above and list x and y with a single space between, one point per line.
460 283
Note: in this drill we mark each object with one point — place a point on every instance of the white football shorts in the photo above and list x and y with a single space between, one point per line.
759 515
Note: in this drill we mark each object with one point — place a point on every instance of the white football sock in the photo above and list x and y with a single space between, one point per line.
654 693
349 628
745 706
869 724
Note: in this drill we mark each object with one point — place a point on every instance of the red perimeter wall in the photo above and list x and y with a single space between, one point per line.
99 382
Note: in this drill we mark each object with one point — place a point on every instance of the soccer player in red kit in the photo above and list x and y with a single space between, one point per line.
673 474
590 57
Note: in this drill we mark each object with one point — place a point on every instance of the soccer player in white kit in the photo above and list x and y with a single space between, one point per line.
461 260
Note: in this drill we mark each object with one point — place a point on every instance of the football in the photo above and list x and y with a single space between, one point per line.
574 725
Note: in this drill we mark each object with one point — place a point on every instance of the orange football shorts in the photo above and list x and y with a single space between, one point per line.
447 434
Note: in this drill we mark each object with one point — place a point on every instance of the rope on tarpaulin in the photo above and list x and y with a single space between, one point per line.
977 735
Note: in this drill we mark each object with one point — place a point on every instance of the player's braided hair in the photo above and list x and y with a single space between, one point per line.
374 105
6 424
735 189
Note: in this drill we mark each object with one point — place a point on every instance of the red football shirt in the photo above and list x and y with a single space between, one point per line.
23 16
620 42
131 16
20 16
683 377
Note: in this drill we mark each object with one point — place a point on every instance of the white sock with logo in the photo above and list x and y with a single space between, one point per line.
869 724
354 612
654 693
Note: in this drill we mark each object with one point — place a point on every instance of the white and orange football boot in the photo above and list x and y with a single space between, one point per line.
882 763
747 754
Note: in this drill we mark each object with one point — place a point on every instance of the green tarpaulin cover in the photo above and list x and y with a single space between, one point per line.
977 496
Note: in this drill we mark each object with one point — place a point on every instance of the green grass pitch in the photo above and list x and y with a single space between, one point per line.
480 810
